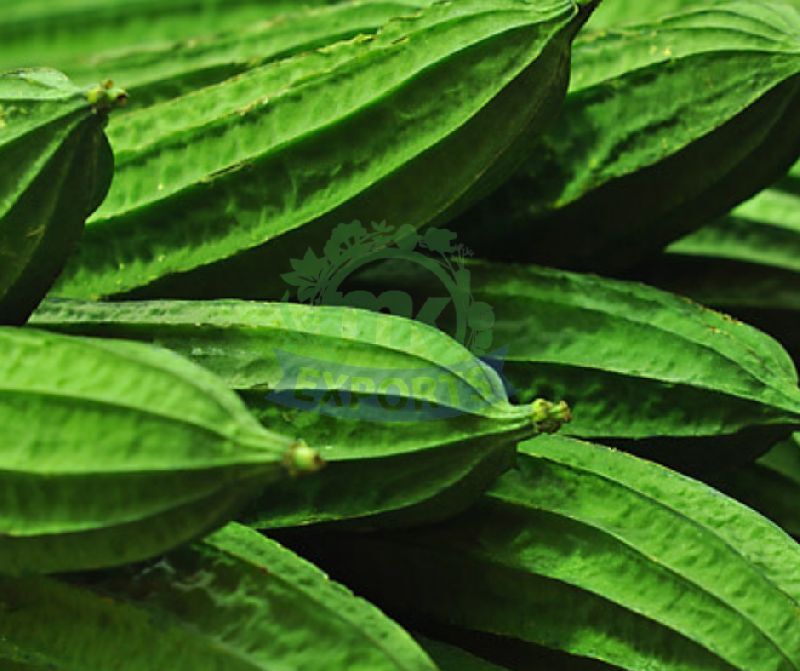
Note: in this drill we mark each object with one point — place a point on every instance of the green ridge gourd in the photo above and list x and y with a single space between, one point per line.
655 570
642 369
55 33
621 13
668 124
215 190
114 452
388 400
154 73
234 601
57 168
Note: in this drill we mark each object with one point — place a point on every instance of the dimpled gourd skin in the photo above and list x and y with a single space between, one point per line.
215 191
669 123
119 452
53 33
154 73
57 170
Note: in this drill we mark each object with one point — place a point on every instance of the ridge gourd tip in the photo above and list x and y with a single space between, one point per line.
550 417
106 97
301 459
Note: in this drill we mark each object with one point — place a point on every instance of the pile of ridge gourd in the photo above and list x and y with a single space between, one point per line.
620 489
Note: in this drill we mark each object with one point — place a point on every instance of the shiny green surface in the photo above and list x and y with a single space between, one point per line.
113 452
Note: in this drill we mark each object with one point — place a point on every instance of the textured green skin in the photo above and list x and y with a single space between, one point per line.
644 152
451 658
616 13
56 171
284 153
745 263
771 485
422 473
233 602
655 571
54 33
113 452
427 469
641 369
152 74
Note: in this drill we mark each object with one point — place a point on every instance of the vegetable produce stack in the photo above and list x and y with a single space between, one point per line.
218 222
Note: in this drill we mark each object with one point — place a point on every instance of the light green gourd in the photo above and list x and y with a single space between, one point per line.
388 400
115 452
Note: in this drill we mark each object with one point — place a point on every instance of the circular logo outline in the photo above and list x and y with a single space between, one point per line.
317 280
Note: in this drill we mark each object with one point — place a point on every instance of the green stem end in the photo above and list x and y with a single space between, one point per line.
106 97
300 459
550 417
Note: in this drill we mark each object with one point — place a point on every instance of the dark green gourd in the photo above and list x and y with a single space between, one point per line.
656 571
215 191
234 601
668 124
57 168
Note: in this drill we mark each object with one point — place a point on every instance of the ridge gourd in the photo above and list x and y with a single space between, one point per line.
388 400
215 190
668 124
120 452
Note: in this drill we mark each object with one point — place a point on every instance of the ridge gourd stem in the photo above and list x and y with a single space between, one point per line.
550 417
106 97
301 459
